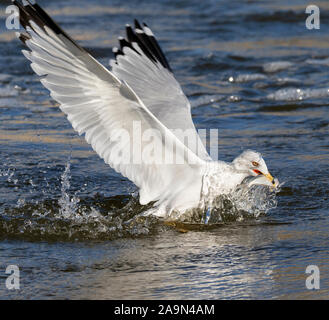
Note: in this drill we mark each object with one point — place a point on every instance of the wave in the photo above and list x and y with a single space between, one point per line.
293 94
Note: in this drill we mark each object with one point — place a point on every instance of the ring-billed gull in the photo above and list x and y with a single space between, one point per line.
138 95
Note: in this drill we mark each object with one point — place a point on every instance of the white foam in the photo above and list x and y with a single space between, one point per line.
206 99
323 62
8 92
248 77
298 94
276 66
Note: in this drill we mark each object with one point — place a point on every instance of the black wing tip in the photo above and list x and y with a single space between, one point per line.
117 52
23 37
146 42
137 24
130 34
29 10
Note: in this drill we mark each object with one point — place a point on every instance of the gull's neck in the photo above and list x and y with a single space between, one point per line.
222 176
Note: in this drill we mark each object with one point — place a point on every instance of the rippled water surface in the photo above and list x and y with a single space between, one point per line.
73 226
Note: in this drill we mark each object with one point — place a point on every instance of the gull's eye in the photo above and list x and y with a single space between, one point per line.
255 164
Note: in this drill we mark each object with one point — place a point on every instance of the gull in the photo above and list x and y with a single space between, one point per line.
138 94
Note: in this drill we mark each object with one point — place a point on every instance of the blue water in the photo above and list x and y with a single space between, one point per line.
250 69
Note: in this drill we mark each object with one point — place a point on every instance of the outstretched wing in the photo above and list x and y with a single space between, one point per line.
141 63
103 108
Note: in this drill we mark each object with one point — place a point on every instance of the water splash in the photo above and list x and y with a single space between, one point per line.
240 204
71 218
9 173
67 205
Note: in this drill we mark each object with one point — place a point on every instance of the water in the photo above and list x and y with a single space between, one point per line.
72 225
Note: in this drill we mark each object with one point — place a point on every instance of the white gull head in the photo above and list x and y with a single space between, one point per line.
251 163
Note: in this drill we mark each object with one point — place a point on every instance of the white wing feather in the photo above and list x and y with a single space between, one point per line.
160 92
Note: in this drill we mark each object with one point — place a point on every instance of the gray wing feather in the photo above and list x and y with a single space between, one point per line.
155 84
